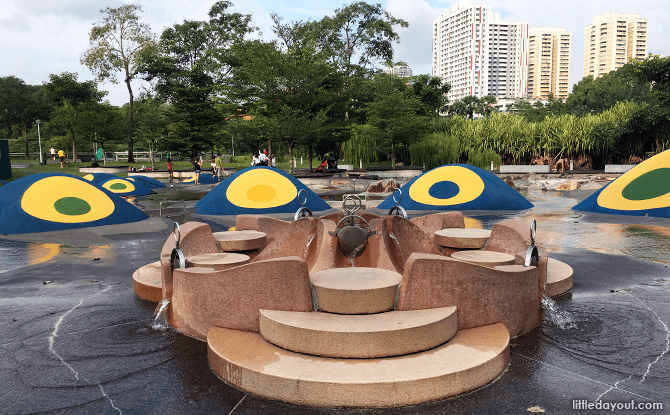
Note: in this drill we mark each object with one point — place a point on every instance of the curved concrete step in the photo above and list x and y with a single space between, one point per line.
147 282
559 278
394 333
473 358
355 290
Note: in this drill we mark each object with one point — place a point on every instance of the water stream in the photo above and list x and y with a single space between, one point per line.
561 318
159 321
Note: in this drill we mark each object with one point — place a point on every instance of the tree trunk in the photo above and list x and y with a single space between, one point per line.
74 153
269 146
290 159
25 133
310 157
131 159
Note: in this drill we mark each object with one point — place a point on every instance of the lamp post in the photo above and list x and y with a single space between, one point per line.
39 139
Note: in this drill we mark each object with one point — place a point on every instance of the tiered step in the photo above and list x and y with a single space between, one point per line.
239 241
147 282
355 290
460 238
559 278
470 360
393 333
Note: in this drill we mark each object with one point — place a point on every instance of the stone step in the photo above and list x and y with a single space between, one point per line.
559 278
147 282
355 290
394 333
470 360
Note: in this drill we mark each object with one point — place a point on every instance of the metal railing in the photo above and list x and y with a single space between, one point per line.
173 202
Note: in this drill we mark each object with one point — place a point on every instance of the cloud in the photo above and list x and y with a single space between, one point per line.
15 22
78 9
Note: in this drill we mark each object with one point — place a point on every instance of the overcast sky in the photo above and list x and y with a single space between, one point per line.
39 38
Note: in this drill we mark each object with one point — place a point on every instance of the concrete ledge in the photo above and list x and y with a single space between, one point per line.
618 168
559 278
469 361
534 168
110 170
355 290
147 282
394 333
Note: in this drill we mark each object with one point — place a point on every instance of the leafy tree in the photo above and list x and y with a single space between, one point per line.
190 69
20 106
396 115
69 93
593 96
118 43
101 123
290 94
432 93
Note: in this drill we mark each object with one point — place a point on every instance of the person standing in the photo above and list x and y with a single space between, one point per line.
212 164
219 166
61 157
52 151
272 160
262 159
197 164
169 167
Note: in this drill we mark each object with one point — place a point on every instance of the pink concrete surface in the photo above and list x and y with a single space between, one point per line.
337 216
271 226
402 238
196 238
147 282
302 238
437 221
512 236
483 296
231 298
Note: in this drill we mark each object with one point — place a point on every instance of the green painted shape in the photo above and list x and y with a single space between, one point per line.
118 186
72 206
652 184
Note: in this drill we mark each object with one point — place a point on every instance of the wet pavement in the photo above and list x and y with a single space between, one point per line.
76 340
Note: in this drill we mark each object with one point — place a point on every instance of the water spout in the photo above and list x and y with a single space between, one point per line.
560 318
309 241
159 321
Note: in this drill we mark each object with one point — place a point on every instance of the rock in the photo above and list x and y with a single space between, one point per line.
568 185
591 186
340 182
375 187
390 186
511 183
535 409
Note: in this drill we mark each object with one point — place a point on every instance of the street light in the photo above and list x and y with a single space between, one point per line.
39 139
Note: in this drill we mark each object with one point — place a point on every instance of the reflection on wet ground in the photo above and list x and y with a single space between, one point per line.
82 343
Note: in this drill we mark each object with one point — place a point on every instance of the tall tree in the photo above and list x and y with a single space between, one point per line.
20 106
397 115
291 93
118 43
69 93
432 93
190 68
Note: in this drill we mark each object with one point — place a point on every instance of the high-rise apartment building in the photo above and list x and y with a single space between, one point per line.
478 54
612 40
548 62
400 70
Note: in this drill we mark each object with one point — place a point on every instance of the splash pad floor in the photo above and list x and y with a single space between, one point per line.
80 343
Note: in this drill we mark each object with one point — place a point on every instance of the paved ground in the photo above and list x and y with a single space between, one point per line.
74 339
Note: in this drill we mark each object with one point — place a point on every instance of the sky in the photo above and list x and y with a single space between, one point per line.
39 37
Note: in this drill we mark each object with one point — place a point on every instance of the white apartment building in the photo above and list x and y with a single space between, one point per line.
612 40
400 70
548 62
478 54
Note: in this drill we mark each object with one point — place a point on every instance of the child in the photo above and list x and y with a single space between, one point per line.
197 164
169 167
213 165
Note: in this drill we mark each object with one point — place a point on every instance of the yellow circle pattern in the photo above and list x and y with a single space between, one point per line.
126 187
40 198
612 198
469 183
88 177
260 189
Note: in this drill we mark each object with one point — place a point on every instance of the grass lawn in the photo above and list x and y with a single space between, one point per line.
241 162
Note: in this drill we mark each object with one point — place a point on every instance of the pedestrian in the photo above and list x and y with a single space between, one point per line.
212 164
254 161
262 159
219 166
197 164
169 168
272 160
52 151
62 157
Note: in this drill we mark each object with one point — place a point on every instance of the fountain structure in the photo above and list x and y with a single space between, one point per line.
353 309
